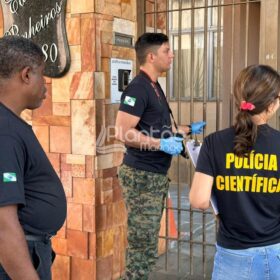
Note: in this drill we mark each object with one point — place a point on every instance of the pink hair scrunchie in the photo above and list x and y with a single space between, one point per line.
247 106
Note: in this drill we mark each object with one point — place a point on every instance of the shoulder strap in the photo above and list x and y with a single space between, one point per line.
170 111
153 84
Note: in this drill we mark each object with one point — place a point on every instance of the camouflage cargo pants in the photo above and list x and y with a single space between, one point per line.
144 193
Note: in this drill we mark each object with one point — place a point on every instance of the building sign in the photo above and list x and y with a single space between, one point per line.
44 23
123 40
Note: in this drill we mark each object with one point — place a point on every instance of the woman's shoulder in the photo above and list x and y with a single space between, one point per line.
268 129
221 134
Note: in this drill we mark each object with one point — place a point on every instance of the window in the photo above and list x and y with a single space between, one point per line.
181 42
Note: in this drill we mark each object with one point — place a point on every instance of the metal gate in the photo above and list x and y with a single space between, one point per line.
212 41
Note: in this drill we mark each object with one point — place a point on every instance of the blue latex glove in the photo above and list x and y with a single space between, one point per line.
197 127
171 145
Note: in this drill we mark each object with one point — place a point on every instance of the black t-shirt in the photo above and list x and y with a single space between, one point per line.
27 178
142 100
247 189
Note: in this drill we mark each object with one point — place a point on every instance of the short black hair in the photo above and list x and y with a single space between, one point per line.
16 53
146 42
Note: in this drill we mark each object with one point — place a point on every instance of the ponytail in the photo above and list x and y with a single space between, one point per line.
245 134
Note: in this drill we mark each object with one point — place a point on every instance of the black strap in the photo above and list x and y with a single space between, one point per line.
170 111
32 237
154 86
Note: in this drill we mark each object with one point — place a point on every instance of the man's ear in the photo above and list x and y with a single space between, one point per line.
150 57
25 74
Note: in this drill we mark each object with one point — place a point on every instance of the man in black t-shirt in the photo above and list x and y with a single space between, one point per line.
32 199
144 125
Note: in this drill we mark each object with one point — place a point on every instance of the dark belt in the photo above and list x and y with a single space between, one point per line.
32 237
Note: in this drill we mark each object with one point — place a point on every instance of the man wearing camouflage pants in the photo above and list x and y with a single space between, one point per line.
144 125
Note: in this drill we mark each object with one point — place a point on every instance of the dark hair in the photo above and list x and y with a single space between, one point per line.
148 42
16 53
259 85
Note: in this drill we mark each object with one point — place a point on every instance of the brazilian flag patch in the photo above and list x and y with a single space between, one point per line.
9 177
130 101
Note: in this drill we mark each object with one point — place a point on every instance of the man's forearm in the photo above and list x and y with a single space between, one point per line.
136 139
15 257
14 254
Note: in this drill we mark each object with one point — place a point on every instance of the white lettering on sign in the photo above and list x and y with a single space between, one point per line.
15 4
50 52
34 28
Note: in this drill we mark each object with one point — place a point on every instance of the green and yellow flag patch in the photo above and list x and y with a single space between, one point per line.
129 101
9 177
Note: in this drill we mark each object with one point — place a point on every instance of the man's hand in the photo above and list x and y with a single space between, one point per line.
171 145
197 127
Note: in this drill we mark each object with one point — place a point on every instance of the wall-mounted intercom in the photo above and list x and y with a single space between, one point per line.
121 76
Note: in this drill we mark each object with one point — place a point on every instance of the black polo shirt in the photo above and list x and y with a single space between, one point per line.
141 99
27 178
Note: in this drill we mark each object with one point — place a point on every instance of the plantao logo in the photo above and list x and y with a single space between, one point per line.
106 135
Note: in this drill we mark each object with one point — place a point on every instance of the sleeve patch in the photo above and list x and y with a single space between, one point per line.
130 101
9 177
